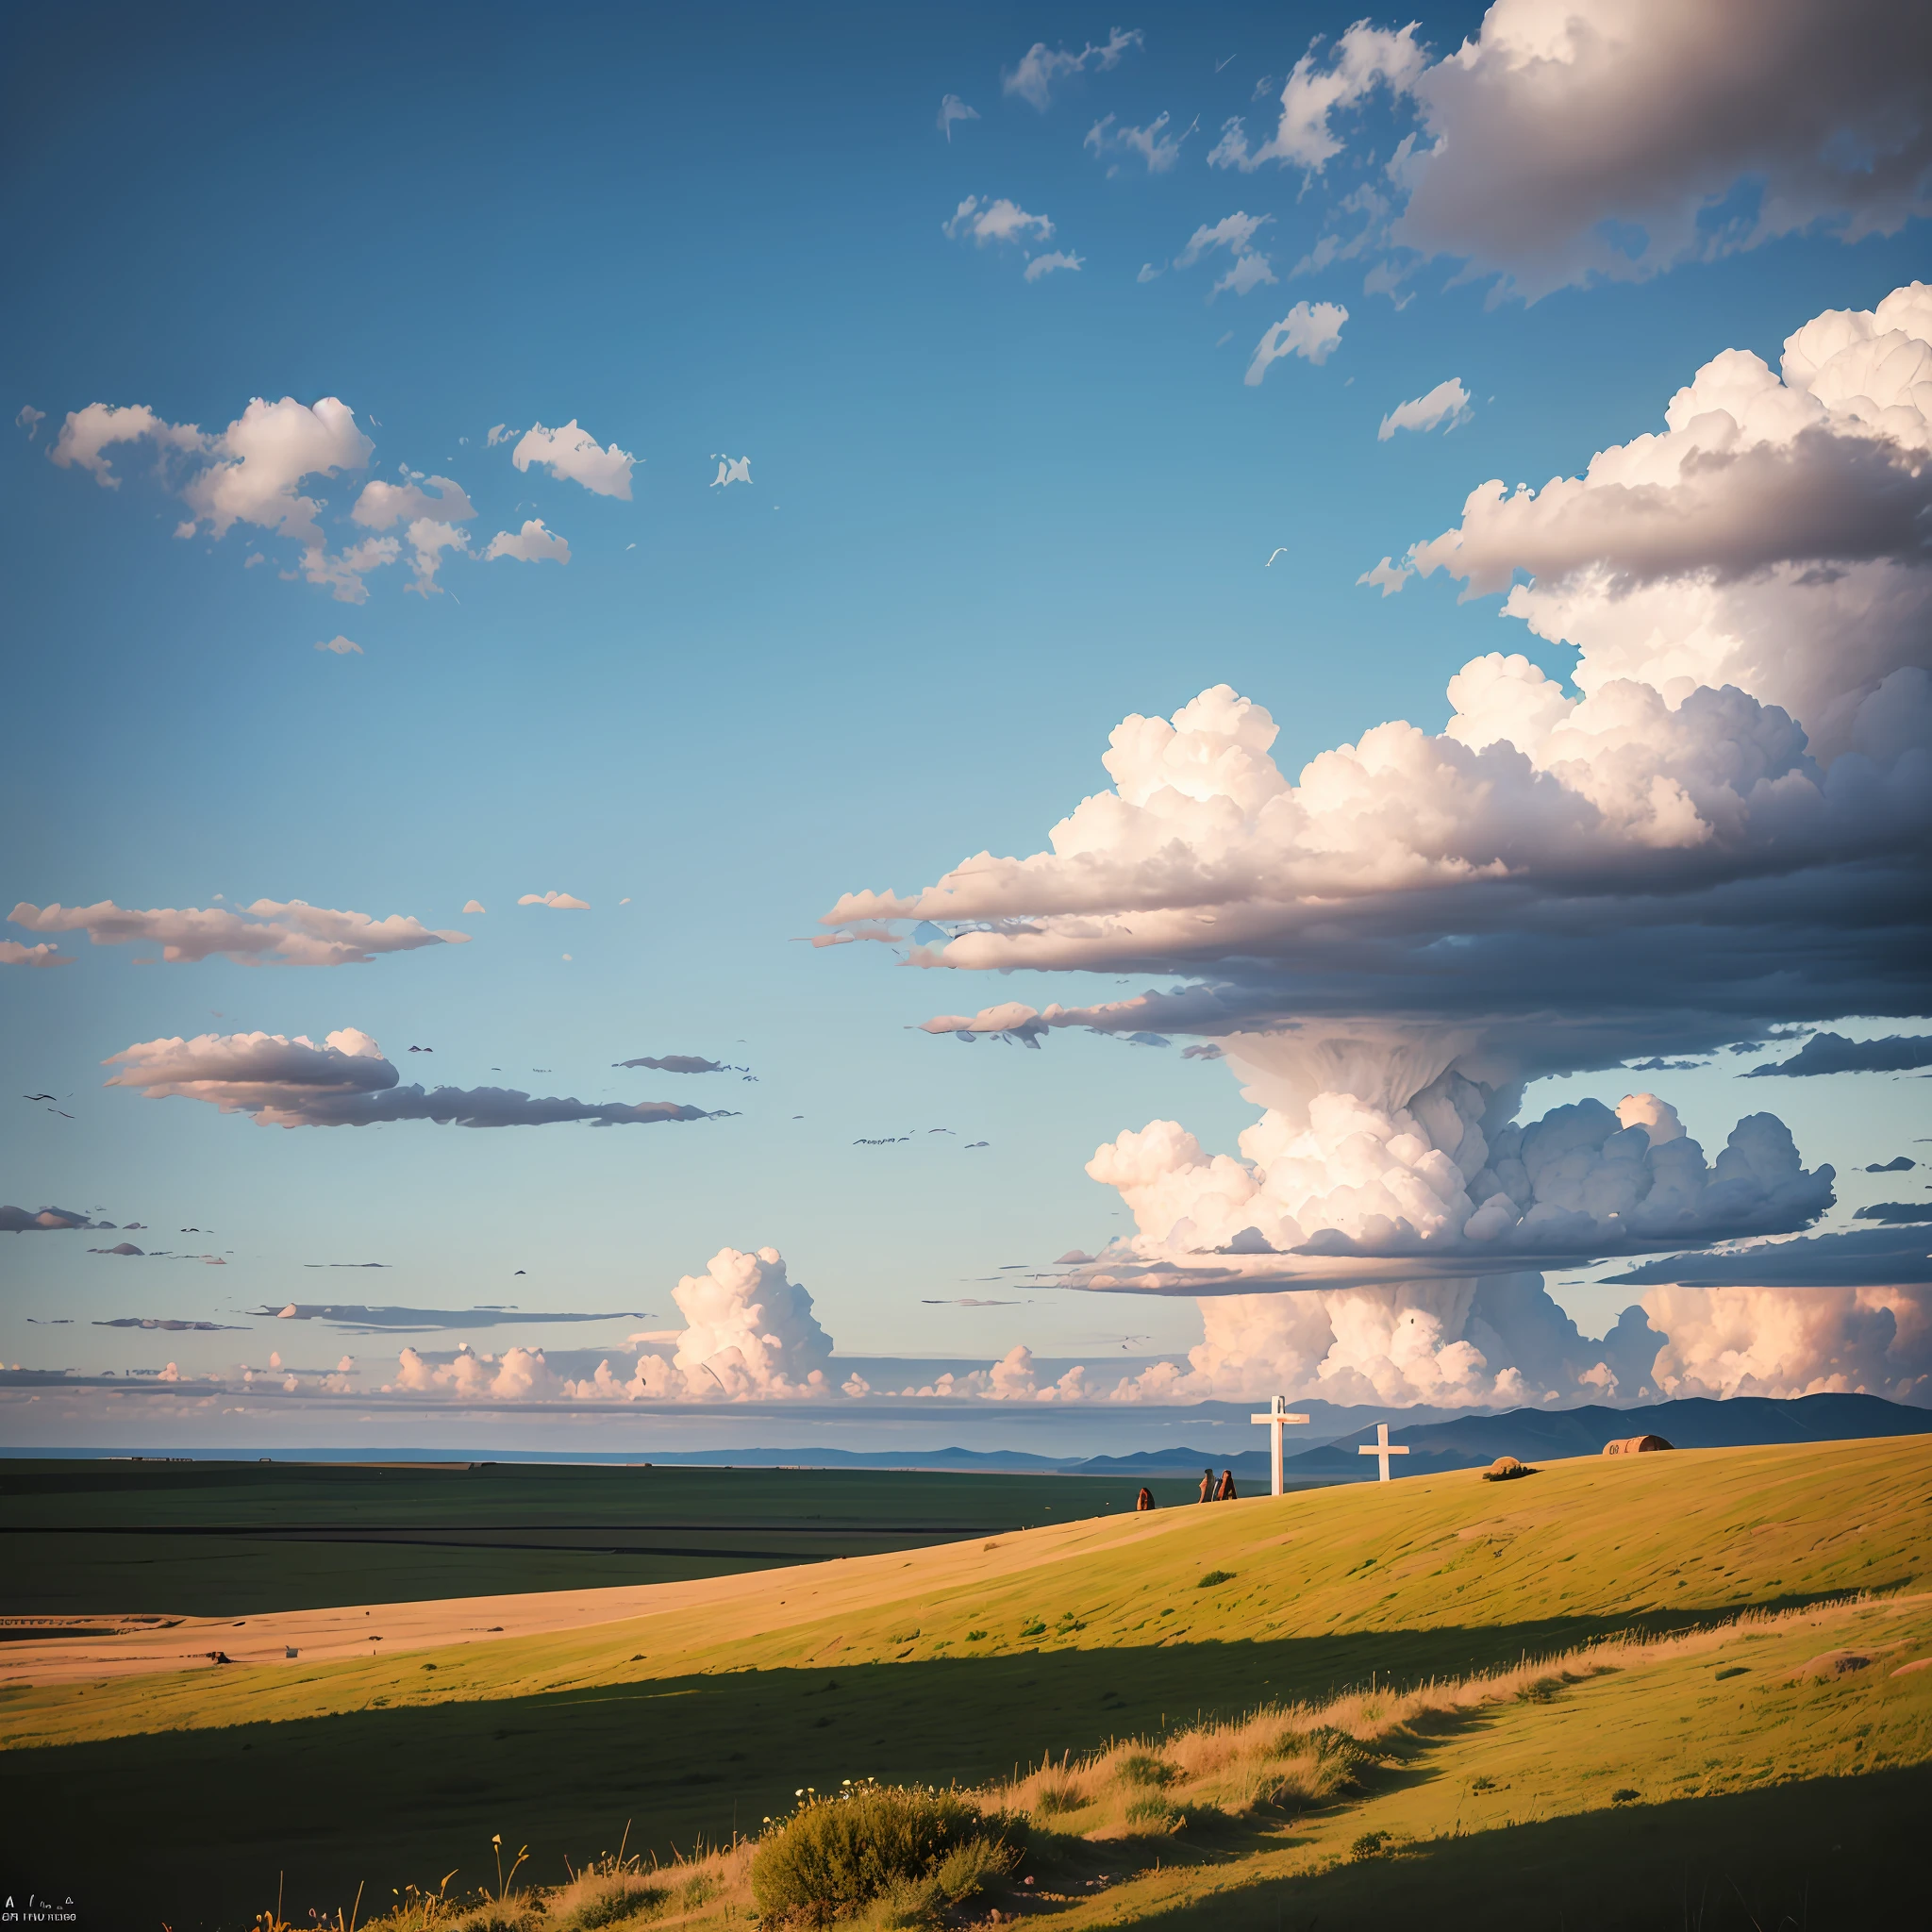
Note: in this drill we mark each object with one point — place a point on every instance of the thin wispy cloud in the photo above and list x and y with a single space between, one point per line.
284 932
953 108
1448 402
1041 67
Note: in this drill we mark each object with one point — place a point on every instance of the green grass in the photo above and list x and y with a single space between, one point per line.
221 1540
199 1788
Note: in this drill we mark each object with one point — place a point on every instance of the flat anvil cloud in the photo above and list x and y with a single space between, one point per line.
346 1082
289 930
1741 795
1832 1053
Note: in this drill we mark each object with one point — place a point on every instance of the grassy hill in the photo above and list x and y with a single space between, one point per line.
971 1661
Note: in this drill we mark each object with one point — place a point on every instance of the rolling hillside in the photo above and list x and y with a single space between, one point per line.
960 1662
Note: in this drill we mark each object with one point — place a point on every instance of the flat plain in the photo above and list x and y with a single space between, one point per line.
1700 1771
233 1538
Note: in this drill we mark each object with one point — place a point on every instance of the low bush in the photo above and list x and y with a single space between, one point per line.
1152 1813
1214 1577
1056 1800
1143 1768
902 1846
627 1902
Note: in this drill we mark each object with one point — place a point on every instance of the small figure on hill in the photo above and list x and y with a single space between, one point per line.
1144 1500
1225 1493
1206 1486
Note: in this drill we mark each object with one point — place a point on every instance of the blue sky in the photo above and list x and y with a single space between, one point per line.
990 518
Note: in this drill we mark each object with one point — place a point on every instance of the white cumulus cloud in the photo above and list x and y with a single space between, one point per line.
571 454
533 543
13 954
1364 59
1607 140
1046 264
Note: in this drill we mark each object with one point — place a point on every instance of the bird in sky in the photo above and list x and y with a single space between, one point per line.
972 1144
422 1049
36 1096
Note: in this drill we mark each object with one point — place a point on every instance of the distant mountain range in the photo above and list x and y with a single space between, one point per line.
1466 1442
1434 1442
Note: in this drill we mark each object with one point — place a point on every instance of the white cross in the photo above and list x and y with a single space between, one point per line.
1277 1417
1383 1447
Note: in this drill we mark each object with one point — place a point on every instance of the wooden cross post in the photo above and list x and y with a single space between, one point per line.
1383 1447
1276 1418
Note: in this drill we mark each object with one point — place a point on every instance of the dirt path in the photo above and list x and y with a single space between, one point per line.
135 1646
91 1648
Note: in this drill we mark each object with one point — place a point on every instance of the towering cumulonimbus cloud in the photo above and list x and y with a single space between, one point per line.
1365 1194
347 1081
750 1335
1724 827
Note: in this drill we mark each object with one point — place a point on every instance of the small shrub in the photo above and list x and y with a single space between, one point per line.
1152 1813
1539 1691
1214 1577
834 1856
700 1889
621 1905
1732 1671
1368 1846
966 1870
1054 1801
1625 1795
1033 1628
1482 1784
975 1637
1143 1768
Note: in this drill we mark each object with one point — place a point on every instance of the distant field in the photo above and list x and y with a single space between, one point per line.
214 1538
962 1661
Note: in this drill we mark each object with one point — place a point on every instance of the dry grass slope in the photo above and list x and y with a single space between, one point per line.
1093 1644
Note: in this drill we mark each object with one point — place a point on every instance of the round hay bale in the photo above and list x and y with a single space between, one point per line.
1505 1469
1635 1445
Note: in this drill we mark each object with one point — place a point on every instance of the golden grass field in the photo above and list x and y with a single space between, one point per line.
1573 1700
